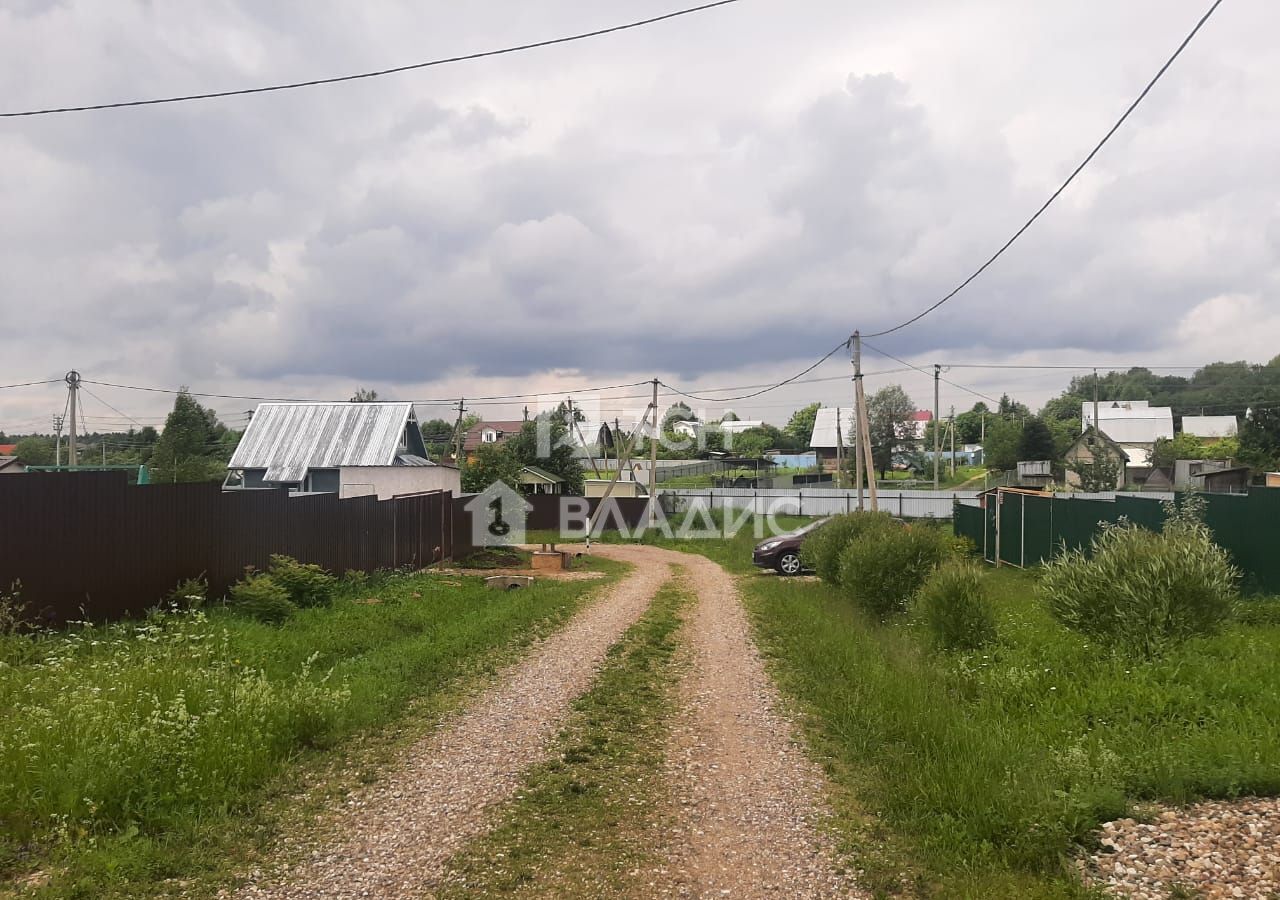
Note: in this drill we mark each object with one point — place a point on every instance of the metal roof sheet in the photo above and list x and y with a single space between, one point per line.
824 427
1130 422
288 439
1210 426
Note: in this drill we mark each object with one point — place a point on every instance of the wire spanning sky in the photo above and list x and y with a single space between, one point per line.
713 200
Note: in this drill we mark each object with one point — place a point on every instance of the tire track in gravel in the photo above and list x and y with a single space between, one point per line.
394 838
749 801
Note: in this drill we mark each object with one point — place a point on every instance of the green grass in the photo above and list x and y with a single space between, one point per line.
586 820
143 751
990 768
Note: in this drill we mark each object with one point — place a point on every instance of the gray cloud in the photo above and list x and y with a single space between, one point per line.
717 200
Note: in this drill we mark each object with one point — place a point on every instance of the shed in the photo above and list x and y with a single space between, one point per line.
1234 480
350 449
11 465
1273 479
535 480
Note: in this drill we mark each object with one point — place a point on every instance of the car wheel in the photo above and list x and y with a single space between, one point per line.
789 564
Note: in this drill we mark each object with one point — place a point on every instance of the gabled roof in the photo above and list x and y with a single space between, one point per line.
289 439
1129 421
1102 436
8 449
538 474
824 427
505 429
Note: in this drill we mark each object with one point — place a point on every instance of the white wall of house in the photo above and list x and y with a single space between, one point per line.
386 482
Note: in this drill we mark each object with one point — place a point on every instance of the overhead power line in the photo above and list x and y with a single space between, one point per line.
22 384
772 387
377 73
968 390
1070 178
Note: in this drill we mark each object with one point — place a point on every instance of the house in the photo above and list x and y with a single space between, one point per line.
489 433
737 426
823 440
349 449
1091 446
11 465
690 428
920 420
1133 424
1232 480
534 480
1210 427
8 449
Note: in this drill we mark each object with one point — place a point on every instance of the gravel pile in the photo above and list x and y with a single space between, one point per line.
748 801
1211 850
395 836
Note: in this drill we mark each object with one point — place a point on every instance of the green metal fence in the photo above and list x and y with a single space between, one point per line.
1026 528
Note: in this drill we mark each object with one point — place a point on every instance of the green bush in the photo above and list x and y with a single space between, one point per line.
261 597
189 593
955 607
307 585
885 567
821 550
1142 592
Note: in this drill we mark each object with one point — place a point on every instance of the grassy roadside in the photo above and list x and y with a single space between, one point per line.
585 820
146 757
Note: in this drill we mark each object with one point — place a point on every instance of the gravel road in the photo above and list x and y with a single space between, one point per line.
397 834
748 800
1210 850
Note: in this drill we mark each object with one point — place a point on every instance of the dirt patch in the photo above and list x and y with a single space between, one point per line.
393 838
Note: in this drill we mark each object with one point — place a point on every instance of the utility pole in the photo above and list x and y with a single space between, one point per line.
57 446
457 434
653 460
863 428
937 414
73 386
839 450
857 414
573 423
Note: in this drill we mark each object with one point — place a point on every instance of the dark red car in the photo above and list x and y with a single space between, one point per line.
783 552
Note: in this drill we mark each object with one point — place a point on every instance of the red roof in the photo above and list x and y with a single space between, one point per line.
8 449
473 438
922 415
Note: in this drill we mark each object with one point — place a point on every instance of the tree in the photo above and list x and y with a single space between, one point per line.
800 425
677 412
1036 440
729 416
437 434
561 458
1260 439
1101 473
1180 446
191 446
35 451
364 395
753 442
1012 409
492 463
1001 448
890 425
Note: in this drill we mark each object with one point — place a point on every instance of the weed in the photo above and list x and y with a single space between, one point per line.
956 609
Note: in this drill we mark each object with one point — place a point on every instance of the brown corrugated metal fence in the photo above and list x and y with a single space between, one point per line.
89 544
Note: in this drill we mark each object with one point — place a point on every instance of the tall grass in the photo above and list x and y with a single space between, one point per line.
153 731
995 765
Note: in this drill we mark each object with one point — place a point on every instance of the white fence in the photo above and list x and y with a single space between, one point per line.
816 501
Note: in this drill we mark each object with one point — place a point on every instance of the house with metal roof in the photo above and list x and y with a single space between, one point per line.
349 449
1211 427
827 434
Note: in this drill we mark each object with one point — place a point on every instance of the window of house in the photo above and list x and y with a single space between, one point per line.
489 436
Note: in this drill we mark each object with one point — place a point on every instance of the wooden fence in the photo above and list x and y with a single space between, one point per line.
88 544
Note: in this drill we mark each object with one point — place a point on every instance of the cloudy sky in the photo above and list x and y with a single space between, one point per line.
714 201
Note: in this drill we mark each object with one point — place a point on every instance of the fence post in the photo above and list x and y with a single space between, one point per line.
900 515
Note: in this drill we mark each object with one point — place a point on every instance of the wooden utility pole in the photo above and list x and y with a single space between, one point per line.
457 434
857 414
937 413
653 460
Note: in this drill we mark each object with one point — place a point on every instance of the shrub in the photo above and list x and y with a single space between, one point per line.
260 596
189 593
306 584
884 568
821 550
956 609
1142 592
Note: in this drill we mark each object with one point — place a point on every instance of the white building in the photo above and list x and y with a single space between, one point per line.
1211 427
